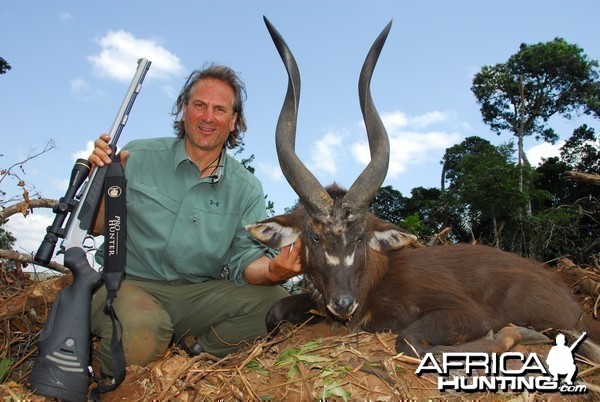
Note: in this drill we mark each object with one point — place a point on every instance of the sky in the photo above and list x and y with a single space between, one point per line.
72 62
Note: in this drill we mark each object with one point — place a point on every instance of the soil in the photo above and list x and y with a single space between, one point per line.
306 363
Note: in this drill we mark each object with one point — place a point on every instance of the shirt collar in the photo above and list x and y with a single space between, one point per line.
182 156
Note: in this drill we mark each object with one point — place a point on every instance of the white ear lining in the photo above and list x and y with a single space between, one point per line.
273 234
392 238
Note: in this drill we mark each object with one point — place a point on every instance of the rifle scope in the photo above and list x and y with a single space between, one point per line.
65 205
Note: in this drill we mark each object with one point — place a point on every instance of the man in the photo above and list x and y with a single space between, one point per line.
192 271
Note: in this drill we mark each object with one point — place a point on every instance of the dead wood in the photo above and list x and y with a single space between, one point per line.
439 238
36 294
25 207
591 178
26 259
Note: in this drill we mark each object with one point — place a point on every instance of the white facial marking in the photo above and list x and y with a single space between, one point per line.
332 260
349 260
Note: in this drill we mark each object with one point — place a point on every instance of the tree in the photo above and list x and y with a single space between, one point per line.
4 66
427 212
536 83
7 240
582 150
424 214
487 185
453 155
388 204
568 222
580 153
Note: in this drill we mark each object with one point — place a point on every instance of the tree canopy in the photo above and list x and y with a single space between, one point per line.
536 83
4 66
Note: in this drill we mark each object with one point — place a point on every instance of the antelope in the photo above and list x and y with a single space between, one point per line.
366 274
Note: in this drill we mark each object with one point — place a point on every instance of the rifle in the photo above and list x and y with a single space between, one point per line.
577 341
61 368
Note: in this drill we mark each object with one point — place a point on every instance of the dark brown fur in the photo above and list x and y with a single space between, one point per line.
449 295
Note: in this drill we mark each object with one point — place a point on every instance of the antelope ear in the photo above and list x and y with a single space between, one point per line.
391 240
387 236
275 232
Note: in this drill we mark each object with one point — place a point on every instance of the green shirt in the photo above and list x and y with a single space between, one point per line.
180 226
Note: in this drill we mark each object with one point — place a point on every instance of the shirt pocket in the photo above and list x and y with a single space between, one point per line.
149 196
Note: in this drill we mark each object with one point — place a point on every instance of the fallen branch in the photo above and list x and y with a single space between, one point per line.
591 178
27 206
36 294
439 238
28 259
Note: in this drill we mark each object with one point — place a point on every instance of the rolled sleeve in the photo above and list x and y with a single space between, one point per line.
245 249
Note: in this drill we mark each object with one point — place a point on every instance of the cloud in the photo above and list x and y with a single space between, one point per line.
271 170
120 50
29 231
395 121
64 16
84 153
543 150
413 139
325 153
81 89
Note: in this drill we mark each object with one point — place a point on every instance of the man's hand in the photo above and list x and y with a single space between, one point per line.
101 154
285 265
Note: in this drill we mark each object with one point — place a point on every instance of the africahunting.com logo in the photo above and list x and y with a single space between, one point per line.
506 372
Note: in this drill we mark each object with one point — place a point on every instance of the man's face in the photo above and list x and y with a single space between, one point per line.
208 116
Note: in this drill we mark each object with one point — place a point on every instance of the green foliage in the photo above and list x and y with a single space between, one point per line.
582 151
331 372
388 204
567 223
5 366
4 66
453 155
7 240
537 82
413 224
487 181
487 184
423 214
561 232
292 357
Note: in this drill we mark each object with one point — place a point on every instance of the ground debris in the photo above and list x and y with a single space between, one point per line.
303 363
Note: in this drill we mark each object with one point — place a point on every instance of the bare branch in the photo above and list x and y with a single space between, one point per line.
49 145
26 206
28 259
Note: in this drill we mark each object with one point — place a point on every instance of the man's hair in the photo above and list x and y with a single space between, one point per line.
228 76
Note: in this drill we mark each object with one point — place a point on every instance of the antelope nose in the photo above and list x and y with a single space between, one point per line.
344 305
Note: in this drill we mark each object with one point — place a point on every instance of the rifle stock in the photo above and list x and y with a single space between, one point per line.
61 368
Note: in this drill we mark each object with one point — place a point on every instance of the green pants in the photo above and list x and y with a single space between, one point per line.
223 316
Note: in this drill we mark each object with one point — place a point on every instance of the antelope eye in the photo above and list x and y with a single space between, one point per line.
313 237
